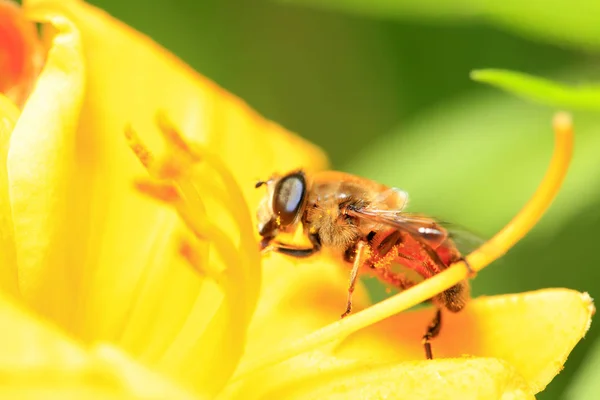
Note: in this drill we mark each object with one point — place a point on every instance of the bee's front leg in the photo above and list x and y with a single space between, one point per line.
267 244
361 253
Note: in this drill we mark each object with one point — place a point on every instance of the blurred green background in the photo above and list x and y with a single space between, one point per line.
383 86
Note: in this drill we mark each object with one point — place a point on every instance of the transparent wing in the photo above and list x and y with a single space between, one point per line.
465 240
428 229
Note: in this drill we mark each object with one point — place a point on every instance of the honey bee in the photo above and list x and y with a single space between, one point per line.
362 222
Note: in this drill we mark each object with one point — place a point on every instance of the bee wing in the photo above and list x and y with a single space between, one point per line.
427 229
465 240
423 227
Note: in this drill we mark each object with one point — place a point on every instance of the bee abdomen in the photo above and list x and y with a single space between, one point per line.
454 298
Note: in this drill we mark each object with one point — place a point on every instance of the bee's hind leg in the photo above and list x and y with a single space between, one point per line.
432 331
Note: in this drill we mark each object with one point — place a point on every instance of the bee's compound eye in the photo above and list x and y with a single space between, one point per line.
288 197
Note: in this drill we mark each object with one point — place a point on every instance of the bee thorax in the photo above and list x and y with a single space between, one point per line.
333 229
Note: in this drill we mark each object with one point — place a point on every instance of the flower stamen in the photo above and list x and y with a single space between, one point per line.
139 149
172 136
232 198
164 192
198 259
477 260
522 223
183 178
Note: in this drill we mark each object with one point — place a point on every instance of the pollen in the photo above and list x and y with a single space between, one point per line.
388 259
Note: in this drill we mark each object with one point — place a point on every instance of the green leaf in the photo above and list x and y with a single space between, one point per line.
586 384
585 97
477 160
555 21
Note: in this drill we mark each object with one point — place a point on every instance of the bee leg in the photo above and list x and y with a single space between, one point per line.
470 270
432 331
291 250
359 259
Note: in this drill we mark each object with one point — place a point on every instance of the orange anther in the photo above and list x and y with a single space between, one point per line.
172 134
138 147
165 192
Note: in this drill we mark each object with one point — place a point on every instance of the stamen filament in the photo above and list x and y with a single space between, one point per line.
178 180
239 209
181 182
539 202
233 198
479 259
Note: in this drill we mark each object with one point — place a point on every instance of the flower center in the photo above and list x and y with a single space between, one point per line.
221 246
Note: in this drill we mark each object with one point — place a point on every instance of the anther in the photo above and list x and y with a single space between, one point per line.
172 134
193 255
189 253
170 168
139 149
164 192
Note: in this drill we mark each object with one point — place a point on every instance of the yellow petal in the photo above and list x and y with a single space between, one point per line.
118 243
319 374
37 360
525 339
131 286
8 267
534 332
41 162
478 378
251 146
298 297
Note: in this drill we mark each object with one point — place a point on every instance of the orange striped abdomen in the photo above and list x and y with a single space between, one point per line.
393 247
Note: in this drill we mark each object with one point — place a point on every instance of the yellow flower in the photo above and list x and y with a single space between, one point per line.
107 292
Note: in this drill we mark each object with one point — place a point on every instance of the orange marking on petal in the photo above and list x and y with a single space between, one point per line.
21 56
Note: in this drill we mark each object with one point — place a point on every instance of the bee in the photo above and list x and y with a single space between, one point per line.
363 223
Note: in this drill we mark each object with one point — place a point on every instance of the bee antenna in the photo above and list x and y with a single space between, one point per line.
259 184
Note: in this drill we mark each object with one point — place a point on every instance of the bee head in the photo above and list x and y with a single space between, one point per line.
283 204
